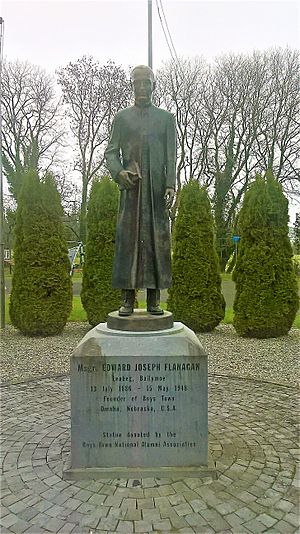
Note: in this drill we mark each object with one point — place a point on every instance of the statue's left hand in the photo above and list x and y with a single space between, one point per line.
169 197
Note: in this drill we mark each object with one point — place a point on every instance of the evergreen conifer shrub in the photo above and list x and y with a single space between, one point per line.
266 299
97 295
41 295
195 297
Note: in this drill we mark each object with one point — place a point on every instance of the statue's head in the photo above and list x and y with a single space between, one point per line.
143 82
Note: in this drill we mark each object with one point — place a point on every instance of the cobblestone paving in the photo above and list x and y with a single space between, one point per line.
253 440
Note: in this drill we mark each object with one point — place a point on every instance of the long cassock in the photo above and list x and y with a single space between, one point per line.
143 141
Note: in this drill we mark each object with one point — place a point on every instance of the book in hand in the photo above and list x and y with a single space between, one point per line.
134 173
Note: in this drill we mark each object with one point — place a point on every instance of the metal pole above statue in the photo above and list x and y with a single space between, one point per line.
150 62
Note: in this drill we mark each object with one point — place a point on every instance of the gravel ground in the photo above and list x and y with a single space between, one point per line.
273 360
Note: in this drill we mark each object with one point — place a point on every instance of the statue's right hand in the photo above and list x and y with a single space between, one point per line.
124 180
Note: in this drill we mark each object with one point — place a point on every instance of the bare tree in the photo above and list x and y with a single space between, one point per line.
180 89
32 126
278 140
92 94
234 119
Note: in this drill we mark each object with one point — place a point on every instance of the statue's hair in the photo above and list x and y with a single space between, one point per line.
143 68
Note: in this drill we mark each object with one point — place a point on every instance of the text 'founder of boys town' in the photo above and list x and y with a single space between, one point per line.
141 157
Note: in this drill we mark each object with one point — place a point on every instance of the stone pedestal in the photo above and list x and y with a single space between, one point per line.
139 401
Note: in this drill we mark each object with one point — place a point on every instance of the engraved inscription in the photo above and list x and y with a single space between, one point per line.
146 397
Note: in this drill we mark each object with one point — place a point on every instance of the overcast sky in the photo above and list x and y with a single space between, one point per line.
52 32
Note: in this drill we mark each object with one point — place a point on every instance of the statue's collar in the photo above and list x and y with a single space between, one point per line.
144 106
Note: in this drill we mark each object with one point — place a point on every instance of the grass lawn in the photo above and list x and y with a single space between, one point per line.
78 314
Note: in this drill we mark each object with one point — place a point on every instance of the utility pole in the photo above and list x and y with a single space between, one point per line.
150 34
2 286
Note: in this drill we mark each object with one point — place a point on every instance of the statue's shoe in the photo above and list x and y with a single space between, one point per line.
155 310
124 311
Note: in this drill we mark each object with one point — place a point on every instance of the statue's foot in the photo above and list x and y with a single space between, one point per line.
124 311
155 310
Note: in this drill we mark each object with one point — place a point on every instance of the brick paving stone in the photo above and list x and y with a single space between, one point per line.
215 520
4 511
19 527
293 519
245 513
247 497
107 523
9 520
108 490
84 495
255 526
42 506
112 500
28 514
97 499
149 482
234 521
5 530
117 513
10 499
151 514
163 524
67 528
266 520
57 511
136 493
54 524
129 504
125 526
285 528
226 508
176 499
198 505
90 520
179 487
195 520
183 509
143 526
151 492
145 503
121 492
166 490
86 508
134 515
30 500
18 507
176 521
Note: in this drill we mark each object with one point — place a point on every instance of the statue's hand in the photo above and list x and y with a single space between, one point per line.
169 197
124 180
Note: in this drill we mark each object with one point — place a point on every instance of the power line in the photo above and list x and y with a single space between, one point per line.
167 27
168 37
164 31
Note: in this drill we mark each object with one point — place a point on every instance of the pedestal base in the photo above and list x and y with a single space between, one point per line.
138 404
96 473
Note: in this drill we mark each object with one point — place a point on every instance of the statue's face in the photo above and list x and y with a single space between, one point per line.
143 87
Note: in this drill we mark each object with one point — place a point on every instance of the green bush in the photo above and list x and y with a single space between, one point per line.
296 264
266 300
98 297
195 297
41 295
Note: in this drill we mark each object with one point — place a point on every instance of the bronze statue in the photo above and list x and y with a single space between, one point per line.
141 157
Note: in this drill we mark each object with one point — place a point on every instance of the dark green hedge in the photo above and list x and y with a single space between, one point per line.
195 297
98 297
266 300
41 296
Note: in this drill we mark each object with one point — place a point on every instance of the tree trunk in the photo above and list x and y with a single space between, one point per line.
83 212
